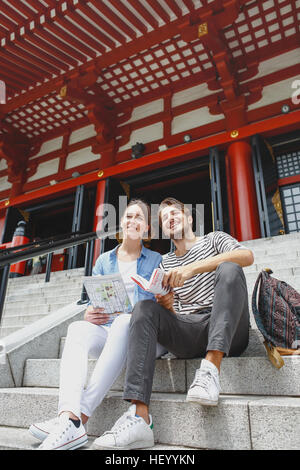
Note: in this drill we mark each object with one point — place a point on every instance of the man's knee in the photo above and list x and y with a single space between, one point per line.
229 272
144 310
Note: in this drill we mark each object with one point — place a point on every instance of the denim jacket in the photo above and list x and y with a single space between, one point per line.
107 263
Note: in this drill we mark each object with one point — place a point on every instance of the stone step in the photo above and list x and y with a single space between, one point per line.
48 292
37 308
239 375
272 247
277 240
15 305
262 253
20 320
38 289
8 330
255 346
237 423
275 266
43 294
71 273
12 438
43 286
286 275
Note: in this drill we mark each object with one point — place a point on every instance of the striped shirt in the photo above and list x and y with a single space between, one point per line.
197 293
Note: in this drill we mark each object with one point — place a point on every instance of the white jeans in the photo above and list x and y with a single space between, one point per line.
84 340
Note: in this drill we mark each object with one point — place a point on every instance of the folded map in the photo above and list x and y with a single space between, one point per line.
108 292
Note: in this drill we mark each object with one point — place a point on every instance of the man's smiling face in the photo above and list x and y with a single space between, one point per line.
175 223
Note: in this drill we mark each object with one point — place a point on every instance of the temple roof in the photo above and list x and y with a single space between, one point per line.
119 54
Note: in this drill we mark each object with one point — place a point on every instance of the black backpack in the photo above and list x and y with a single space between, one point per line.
277 316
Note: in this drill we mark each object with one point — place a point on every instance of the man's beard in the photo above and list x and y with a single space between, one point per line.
178 234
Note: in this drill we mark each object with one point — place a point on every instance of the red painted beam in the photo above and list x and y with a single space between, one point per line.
10 68
15 60
134 20
28 12
69 26
281 123
58 58
289 180
39 52
156 6
46 68
174 8
76 47
109 30
144 13
115 19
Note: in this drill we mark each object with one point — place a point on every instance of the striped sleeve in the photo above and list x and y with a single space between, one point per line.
176 303
223 242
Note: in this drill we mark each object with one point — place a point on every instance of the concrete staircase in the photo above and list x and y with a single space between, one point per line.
29 298
259 406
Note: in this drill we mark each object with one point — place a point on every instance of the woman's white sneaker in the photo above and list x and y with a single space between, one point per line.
206 386
43 429
129 432
65 436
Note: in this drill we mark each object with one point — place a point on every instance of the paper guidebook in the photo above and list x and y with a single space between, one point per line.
108 292
154 285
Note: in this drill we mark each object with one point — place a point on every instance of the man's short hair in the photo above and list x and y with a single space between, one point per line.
171 201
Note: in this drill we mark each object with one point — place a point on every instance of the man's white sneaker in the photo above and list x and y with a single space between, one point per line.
65 436
43 429
206 386
129 432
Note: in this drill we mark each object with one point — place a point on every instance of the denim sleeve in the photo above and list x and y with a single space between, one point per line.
98 267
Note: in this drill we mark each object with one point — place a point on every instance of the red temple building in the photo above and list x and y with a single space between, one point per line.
197 99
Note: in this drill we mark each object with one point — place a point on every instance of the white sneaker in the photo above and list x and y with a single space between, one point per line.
65 436
206 386
43 429
129 432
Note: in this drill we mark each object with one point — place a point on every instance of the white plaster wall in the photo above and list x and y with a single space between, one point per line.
278 63
4 184
146 110
145 135
191 94
82 134
79 157
192 119
49 146
276 92
45 169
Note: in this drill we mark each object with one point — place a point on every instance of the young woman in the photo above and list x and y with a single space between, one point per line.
97 336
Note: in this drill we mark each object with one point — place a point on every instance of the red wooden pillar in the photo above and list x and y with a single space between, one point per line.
19 238
98 218
246 216
2 223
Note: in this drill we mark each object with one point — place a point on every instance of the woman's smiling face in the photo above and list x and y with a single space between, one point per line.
133 223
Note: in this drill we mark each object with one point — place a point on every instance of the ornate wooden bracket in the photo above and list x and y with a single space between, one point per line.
101 113
233 103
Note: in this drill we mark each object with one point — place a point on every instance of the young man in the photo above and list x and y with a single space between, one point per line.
204 315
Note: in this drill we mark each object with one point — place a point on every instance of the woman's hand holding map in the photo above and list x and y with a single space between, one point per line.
96 315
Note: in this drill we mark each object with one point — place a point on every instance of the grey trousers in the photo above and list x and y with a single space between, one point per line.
224 327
